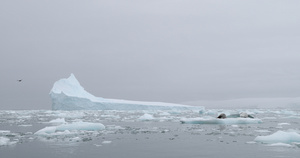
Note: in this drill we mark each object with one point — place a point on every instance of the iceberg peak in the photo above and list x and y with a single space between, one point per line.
71 87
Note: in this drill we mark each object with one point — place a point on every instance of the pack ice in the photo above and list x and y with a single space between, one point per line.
68 94
212 120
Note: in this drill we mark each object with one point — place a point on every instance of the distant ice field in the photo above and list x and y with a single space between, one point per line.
149 133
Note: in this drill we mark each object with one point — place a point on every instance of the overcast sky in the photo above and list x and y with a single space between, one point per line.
149 50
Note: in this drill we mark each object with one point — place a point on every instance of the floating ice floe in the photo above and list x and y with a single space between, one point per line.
65 128
4 132
58 121
281 124
280 145
279 137
262 131
146 117
212 120
106 142
4 141
68 94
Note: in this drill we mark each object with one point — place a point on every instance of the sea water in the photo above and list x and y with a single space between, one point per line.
133 134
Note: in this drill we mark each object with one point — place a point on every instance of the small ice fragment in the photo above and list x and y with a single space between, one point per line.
146 117
25 125
83 126
164 114
280 144
4 141
262 131
243 115
4 131
58 121
280 124
251 142
106 142
97 145
75 139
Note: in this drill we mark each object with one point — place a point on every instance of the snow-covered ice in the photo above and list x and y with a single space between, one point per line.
280 145
146 117
68 94
58 121
279 137
4 141
83 126
106 142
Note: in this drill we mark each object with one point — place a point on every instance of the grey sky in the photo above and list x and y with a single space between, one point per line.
151 50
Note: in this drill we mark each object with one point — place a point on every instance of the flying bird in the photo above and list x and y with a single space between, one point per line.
19 80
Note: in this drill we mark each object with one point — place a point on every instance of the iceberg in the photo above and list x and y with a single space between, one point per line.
227 121
279 137
68 94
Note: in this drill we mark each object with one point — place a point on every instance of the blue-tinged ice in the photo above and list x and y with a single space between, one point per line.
68 94
212 120
279 137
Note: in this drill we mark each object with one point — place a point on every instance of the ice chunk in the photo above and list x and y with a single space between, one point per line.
85 126
212 120
68 94
4 131
4 141
164 114
280 124
262 131
106 142
279 137
146 117
280 145
58 121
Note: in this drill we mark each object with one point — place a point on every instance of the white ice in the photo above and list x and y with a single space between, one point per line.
279 137
58 121
146 117
68 94
106 142
4 141
280 145
212 120
65 128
